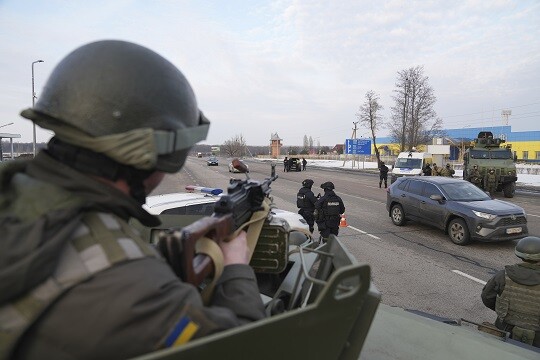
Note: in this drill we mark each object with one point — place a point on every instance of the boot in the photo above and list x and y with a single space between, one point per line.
380 182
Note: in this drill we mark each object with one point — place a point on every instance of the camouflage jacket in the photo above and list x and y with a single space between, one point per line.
129 308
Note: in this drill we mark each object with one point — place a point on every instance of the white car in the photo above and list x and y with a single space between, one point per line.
195 204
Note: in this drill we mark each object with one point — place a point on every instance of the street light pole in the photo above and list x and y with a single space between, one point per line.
33 102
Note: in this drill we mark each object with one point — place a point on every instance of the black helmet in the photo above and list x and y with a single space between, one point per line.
528 248
307 183
328 185
124 101
447 165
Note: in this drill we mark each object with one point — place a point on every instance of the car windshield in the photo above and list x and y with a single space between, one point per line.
464 191
409 163
487 154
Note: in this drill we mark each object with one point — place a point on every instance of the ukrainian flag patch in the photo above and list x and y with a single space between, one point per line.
182 332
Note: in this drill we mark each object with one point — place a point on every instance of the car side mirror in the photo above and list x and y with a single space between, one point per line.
437 198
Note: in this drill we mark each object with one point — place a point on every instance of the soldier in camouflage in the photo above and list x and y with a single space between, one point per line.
514 294
76 280
475 177
435 171
490 182
447 171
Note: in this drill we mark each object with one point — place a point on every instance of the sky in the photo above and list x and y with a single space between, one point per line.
294 67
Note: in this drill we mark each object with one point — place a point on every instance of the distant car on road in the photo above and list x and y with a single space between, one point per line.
234 170
212 161
455 206
296 164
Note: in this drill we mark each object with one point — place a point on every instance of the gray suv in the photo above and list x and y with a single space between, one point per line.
457 207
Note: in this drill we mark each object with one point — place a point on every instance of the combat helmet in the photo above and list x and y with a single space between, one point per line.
307 183
328 185
528 249
124 101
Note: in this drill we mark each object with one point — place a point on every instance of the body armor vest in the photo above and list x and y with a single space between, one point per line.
100 242
519 305
332 206
302 201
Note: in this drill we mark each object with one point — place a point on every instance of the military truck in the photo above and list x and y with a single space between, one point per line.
488 152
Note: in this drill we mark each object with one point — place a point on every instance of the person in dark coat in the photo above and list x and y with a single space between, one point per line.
383 175
304 163
427 170
329 209
305 201
286 164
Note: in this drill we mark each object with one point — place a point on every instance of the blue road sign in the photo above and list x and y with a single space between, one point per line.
358 146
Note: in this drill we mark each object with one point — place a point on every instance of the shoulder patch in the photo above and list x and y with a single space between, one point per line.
182 332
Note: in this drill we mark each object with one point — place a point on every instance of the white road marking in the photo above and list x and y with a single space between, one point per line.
360 231
533 215
469 277
363 232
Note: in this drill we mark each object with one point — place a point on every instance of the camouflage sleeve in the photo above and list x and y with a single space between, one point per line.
493 287
135 308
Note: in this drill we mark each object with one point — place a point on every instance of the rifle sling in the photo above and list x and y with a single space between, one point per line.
210 248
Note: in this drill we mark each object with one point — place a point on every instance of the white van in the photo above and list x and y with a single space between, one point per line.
410 164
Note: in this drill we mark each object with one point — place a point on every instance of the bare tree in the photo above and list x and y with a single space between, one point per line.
310 144
368 115
413 118
235 146
306 143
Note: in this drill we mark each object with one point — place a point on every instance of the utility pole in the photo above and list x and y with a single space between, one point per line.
353 136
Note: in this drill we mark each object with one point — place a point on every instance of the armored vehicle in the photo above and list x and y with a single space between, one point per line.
488 153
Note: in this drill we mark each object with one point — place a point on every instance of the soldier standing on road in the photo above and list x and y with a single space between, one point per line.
475 177
329 209
514 294
285 164
427 170
490 182
435 171
76 280
304 163
447 171
305 200
383 174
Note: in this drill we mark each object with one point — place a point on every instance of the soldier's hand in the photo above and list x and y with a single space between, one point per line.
235 251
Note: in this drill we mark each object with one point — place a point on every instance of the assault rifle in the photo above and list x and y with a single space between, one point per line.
231 211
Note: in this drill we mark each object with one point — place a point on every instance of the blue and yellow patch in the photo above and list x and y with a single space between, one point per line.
182 332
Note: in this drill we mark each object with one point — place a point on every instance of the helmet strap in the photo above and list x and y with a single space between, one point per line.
91 163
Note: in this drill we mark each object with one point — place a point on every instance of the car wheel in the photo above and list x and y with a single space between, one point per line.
459 232
509 190
397 215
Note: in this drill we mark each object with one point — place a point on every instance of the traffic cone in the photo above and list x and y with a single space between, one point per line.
343 221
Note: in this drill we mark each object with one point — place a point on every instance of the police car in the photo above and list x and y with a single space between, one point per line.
182 209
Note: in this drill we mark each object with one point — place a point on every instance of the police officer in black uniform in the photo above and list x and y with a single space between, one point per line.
305 200
329 209
383 175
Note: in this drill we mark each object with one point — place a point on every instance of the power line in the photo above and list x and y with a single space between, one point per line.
483 112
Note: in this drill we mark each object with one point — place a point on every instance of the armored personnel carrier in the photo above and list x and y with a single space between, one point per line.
488 153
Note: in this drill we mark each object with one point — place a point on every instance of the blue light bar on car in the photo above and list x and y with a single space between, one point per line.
204 190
